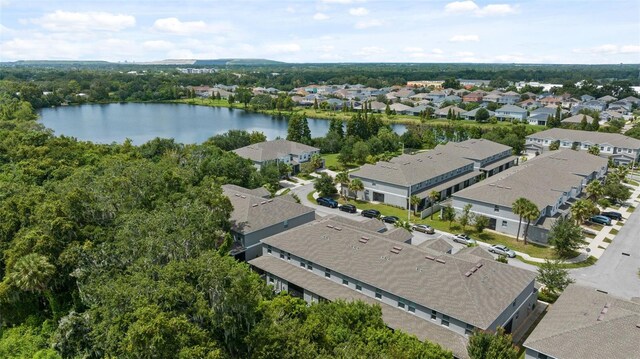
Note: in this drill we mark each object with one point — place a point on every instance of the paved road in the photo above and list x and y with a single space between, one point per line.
614 272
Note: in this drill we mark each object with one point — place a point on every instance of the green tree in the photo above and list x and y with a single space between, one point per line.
554 277
518 208
298 130
615 190
583 209
566 237
324 185
356 186
481 222
415 201
594 150
530 213
487 345
554 146
434 196
360 151
448 215
482 115
594 190
465 217
342 178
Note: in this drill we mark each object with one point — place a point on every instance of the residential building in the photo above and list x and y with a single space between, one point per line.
255 216
471 115
444 112
445 169
289 152
434 84
577 119
509 98
551 181
586 323
510 113
436 296
475 96
620 148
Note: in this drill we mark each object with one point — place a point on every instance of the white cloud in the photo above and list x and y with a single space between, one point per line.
518 57
437 51
158 45
457 7
464 38
290 10
341 1
84 21
460 7
370 50
413 49
464 54
4 3
325 48
365 24
496 9
282 48
358 11
176 26
609 49
320 16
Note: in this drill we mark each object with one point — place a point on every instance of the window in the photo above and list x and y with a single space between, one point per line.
358 287
445 320
327 273
345 282
433 314
378 295
309 266
496 209
281 255
412 309
504 223
401 305
542 356
469 329
288 256
268 249
303 265
513 304
270 279
286 223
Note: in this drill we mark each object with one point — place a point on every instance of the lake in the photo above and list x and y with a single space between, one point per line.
142 122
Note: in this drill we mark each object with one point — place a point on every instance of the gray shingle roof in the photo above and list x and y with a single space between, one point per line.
271 150
479 298
578 119
252 213
578 326
473 149
531 179
614 139
511 108
395 318
406 170
437 244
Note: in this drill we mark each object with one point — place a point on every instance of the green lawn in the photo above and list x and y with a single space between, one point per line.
613 231
607 240
589 262
631 209
331 161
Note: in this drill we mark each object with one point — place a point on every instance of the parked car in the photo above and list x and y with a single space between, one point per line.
328 202
601 220
371 213
499 249
464 239
613 215
423 228
348 208
390 219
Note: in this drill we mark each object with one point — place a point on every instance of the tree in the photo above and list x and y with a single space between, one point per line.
31 273
554 146
449 215
481 222
356 186
415 201
566 236
553 276
387 110
434 196
324 185
594 190
530 213
487 345
583 209
451 83
615 190
298 130
465 216
518 208
482 115
594 150
360 151
342 178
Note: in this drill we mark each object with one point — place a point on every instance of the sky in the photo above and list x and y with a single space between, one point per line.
501 31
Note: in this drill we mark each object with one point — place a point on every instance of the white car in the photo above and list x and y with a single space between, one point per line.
499 249
464 239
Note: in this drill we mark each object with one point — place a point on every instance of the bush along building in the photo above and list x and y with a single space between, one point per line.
446 169
436 296
552 181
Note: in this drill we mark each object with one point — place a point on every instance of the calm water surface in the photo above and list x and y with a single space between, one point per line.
185 123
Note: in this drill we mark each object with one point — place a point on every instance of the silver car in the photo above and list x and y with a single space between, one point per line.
424 228
499 249
464 239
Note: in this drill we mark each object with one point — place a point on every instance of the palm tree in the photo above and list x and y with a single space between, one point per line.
518 208
621 173
433 197
415 201
356 186
316 161
530 213
594 150
595 190
342 178
31 273
582 209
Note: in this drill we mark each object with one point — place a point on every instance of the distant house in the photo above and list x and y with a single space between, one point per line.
492 97
529 104
551 101
509 98
595 105
620 148
289 152
607 98
540 115
608 115
435 96
577 119
511 112
586 98
400 108
475 96
471 115
586 323
443 112
255 217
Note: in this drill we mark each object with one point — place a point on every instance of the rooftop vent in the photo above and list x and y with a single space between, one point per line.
396 249
269 201
243 196
440 261
254 205
429 258
237 194
329 226
479 265
263 202
468 274
337 228
363 239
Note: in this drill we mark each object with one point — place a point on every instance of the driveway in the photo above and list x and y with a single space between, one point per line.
615 272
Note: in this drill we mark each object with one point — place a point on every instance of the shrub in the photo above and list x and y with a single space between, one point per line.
604 203
502 259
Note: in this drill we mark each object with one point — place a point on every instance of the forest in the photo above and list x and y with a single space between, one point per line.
121 251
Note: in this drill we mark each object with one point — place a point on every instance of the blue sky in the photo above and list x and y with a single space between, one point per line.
545 31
